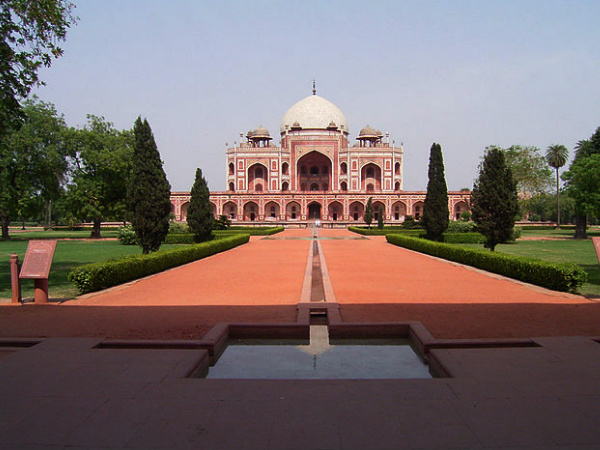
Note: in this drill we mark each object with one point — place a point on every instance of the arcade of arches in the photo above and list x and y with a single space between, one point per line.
290 210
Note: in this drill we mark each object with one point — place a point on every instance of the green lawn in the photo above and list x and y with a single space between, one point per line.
592 232
580 252
68 255
17 234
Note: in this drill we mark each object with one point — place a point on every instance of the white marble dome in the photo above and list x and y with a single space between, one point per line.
314 113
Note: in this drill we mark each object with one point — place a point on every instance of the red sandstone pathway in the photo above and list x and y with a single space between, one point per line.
377 281
257 282
262 282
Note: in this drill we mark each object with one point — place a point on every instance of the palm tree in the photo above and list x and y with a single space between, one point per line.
556 156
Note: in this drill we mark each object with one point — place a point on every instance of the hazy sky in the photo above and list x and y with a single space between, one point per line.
466 74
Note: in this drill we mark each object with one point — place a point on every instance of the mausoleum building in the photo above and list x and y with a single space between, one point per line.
316 172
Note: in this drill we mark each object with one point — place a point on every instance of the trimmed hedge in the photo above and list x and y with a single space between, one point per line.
451 238
252 231
102 275
463 238
566 277
385 231
188 238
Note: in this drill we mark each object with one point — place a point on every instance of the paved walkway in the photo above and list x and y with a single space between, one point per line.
62 389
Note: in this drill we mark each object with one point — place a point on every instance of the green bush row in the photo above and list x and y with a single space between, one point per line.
102 275
385 230
252 231
462 238
452 238
188 238
566 277
545 227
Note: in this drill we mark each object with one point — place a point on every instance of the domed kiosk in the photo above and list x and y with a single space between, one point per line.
314 172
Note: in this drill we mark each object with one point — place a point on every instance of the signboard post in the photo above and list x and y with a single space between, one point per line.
14 278
36 266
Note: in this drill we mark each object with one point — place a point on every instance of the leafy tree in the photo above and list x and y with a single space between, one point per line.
30 31
100 165
199 214
369 212
148 190
577 180
380 218
436 215
35 162
494 201
556 156
29 35
542 207
529 168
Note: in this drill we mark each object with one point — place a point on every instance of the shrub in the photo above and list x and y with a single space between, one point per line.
410 223
178 227
566 277
97 276
127 236
222 223
461 227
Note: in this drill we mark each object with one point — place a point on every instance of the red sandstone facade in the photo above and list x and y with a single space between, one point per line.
315 174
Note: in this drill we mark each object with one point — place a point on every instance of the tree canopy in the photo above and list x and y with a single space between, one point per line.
30 31
34 162
100 165
582 182
529 168
494 201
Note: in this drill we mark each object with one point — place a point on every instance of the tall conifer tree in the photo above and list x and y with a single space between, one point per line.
369 212
149 191
435 209
494 200
380 217
200 216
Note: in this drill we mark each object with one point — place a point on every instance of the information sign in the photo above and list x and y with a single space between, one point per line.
38 259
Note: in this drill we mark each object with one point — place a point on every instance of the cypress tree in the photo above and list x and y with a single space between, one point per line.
148 190
200 216
369 212
435 209
380 218
494 200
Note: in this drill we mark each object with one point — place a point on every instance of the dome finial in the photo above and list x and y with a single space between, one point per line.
314 87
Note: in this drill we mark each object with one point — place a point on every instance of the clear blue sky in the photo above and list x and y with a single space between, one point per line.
466 74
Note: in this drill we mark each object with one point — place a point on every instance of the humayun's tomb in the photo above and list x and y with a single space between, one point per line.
315 174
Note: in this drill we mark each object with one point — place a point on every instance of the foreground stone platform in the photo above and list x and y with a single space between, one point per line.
520 365
60 393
